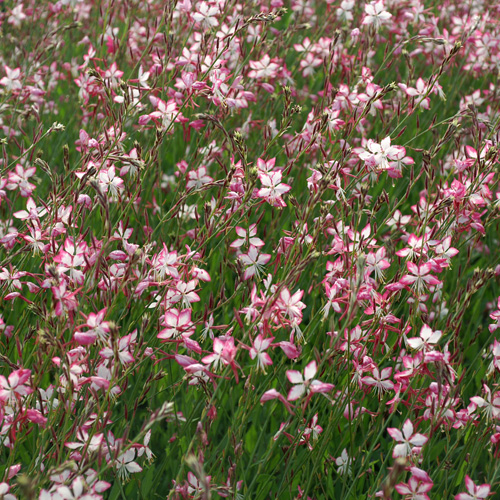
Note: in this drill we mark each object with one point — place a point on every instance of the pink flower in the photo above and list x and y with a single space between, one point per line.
420 91
274 394
224 353
254 261
122 349
474 492
377 156
109 181
205 15
185 292
490 403
415 489
165 264
247 237
265 167
164 116
420 277
197 178
216 359
406 439
177 323
19 179
495 315
377 263
291 305
264 68
375 14
344 463
92 444
99 329
426 340
17 15
273 189
379 380
260 345
12 80
32 212
125 464
14 387
416 247
305 384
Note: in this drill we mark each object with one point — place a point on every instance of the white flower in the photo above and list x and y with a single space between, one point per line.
375 14
125 464
344 463
406 439
206 15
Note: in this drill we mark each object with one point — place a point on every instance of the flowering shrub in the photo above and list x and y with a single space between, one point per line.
249 249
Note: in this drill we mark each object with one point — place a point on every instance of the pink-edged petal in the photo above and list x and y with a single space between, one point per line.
185 316
408 279
469 484
274 394
400 450
133 467
296 392
418 440
415 343
425 268
413 268
368 380
407 428
237 243
310 370
387 385
483 490
403 489
317 386
294 376
431 280
249 272
266 359
395 434
270 395
421 475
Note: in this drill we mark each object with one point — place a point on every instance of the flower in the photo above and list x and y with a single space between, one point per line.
245 237
490 403
263 68
125 464
254 260
205 15
110 182
273 188
258 349
375 14
177 323
426 339
14 387
305 384
4 492
420 277
406 439
415 489
344 463
379 380
377 156
474 492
